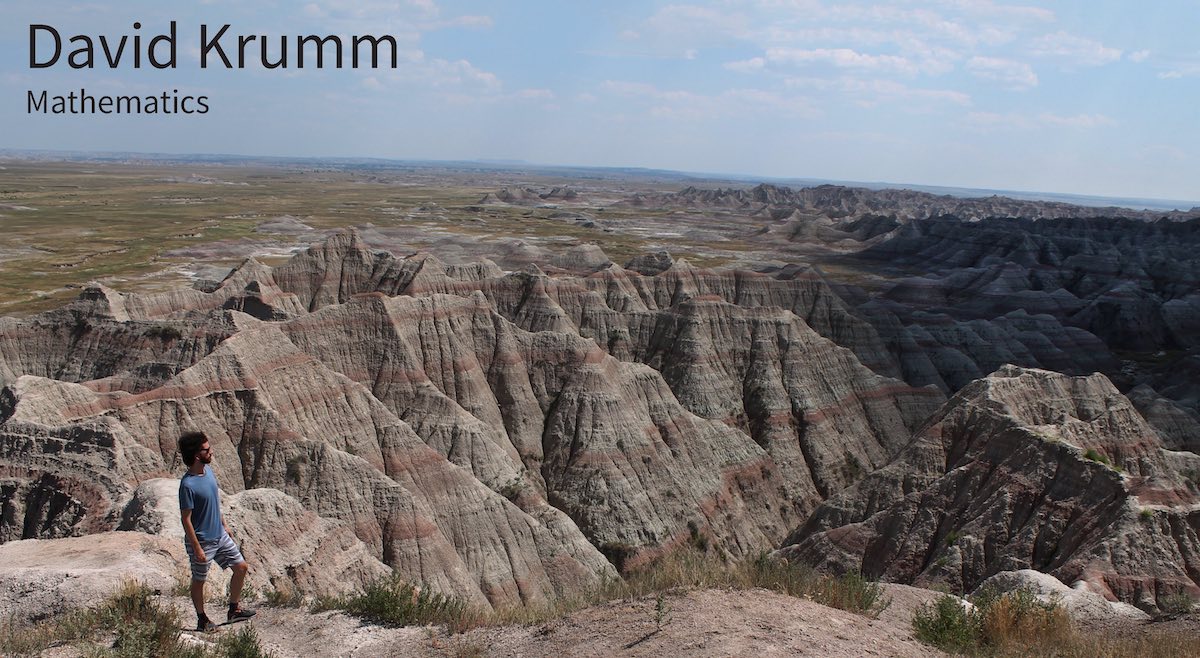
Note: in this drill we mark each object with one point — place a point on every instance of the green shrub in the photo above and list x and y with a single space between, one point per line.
662 611
1013 622
240 644
393 602
283 596
1096 456
618 553
947 624
690 569
1176 604
142 627
137 625
851 591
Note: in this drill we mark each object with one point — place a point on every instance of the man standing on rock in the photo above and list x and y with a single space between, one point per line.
205 535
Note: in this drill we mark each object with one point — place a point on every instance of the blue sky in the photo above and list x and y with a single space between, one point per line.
1092 97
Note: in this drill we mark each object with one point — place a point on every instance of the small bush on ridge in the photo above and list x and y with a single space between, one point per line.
392 601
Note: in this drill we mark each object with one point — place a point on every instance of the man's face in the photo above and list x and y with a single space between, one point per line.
205 454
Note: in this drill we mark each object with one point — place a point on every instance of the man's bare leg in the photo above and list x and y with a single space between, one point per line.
197 591
235 583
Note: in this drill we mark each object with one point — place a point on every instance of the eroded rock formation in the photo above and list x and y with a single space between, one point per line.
507 437
1023 469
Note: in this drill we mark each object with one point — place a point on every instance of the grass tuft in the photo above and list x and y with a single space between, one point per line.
283 596
1096 456
992 623
240 644
1179 603
391 601
1019 624
129 624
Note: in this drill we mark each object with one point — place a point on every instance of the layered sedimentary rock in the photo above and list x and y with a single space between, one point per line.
278 418
937 348
291 548
1132 283
550 416
1023 469
595 306
529 196
858 204
715 336
489 434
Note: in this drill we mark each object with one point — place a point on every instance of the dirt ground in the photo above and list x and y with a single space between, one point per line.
701 623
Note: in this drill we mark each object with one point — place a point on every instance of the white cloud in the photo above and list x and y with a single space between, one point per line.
890 89
697 22
931 59
462 71
680 104
991 9
535 94
472 21
1074 49
1181 69
394 17
842 58
1017 121
873 92
747 65
901 36
418 72
994 120
1159 152
1077 121
1139 56
1011 74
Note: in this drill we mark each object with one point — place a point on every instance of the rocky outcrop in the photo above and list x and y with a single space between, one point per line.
1082 605
1023 469
528 196
939 349
651 320
858 203
355 461
290 548
1178 425
44 578
1132 283
494 435
650 264
550 417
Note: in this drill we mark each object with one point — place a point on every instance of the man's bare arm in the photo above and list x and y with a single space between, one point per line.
185 515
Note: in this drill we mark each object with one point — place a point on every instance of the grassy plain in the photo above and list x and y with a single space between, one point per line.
141 226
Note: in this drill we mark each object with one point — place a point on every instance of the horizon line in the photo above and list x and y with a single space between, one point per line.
1081 199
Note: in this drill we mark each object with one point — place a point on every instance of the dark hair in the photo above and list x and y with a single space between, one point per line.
189 445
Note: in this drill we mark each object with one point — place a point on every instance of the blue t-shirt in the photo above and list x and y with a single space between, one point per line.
199 494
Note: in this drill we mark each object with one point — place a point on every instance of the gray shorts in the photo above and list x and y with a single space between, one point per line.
222 551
